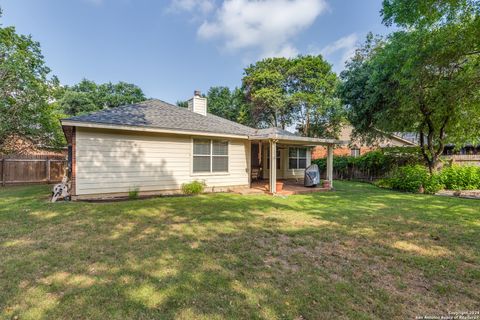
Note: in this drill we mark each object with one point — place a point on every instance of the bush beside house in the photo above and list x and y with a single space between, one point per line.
417 179
193 188
413 178
403 169
460 177
372 165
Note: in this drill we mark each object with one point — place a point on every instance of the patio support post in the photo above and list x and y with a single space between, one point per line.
273 166
330 164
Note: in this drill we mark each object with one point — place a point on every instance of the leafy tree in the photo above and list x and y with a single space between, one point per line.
87 96
226 103
182 103
424 78
243 113
300 91
266 87
119 94
220 103
428 13
25 89
312 86
74 103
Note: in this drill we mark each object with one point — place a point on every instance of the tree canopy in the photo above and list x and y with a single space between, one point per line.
298 92
424 78
427 13
226 103
25 90
87 96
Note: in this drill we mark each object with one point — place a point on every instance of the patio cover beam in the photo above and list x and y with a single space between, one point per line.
273 166
330 164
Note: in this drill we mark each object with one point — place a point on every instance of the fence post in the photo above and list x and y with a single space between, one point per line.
47 163
3 172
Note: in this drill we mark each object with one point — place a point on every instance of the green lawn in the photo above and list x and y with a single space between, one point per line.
359 252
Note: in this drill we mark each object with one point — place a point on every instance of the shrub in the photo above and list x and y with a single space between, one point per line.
133 193
383 183
409 178
194 187
377 162
461 177
412 178
433 184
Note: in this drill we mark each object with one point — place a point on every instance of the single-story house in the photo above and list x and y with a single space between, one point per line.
356 148
155 147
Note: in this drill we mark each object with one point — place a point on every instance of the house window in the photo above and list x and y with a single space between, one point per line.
297 158
278 159
355 152
210 156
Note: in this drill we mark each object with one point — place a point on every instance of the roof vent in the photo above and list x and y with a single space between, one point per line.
198 104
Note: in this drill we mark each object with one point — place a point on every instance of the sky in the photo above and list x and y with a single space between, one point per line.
172 47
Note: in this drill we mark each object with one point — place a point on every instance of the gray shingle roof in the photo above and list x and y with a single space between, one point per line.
159 114
273 131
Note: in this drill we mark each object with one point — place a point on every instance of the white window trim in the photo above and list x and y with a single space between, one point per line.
297 158
355 152
217 173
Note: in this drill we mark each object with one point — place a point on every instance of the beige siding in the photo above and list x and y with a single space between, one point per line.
111 161
284 172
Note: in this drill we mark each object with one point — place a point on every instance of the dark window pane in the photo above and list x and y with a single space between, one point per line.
292 163
220 148
278 158
302 163
201 164
302 152
201 147
220 164
292 152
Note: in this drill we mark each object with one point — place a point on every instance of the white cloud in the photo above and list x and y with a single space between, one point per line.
345 46
263 26
287 51
203 6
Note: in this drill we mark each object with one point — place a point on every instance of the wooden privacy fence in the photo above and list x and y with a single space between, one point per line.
353 173
32 169
463 159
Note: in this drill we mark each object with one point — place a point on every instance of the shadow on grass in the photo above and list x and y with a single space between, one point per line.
359 252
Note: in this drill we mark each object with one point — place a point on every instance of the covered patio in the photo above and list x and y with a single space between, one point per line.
290 187
292 157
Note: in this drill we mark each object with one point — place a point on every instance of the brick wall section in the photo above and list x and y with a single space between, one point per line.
74 161
321 152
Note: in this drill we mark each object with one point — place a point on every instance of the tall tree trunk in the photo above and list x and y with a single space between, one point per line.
307 122
429 153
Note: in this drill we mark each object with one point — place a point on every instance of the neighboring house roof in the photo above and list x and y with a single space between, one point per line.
346 133
160 114
406 140
409 136
155 114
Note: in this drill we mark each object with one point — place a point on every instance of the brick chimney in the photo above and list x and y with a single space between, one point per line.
198 104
